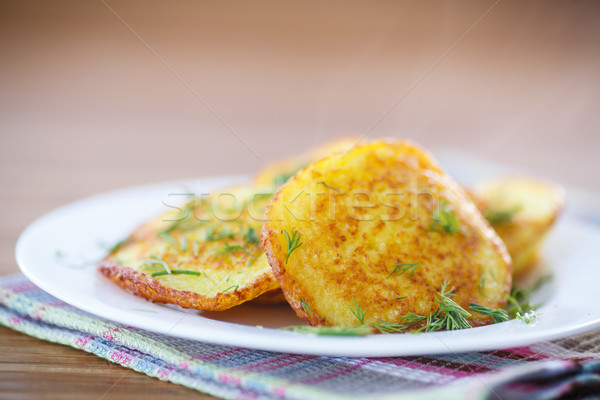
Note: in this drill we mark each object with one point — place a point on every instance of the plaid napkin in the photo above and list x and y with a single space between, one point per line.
568 368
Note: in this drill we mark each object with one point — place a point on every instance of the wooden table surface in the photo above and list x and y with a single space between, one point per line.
98 95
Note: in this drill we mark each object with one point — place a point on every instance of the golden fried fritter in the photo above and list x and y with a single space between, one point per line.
521 210
206 255
374 234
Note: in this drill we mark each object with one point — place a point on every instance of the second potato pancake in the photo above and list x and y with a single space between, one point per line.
376 234
206 255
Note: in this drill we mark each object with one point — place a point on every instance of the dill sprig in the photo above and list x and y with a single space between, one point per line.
186 210
250 236
497 315
191 227
400 269
225 234
502 216
455 315
388 327
306 307
231 288
358 312
527 317
482 283
444 220
156 261
176 272
329 187
253 259
519 299
408 322
117 246
229 249
169 238
359 330
449 315
413 319
292 242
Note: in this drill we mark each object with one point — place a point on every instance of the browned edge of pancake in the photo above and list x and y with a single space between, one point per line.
151 289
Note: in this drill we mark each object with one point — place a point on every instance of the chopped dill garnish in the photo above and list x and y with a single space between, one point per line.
358 312
156 261
171 227
186 210
253 259
195 248
497 315
329 187
306 307
409 321
400 269
449 315
402 298
231 288
117 246
413 319
169 238
176 272
388 327
444 220
527 317
519 299
360 330
250 236
502 216
229 249
292 242
225 234
191 227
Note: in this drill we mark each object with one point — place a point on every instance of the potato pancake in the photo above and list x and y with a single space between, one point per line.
521 210
379 233
205 255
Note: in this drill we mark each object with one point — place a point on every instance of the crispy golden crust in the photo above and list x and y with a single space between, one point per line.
353 235
521 210
271 297
204 255
151 289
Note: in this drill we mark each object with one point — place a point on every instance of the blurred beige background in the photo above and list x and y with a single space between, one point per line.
99 95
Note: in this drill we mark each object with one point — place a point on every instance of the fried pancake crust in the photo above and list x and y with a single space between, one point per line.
521 210
213 239
360 216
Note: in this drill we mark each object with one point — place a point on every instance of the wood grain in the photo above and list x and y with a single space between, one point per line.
207 88
31 368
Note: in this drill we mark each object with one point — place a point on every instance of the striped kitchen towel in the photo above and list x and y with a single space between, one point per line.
567 368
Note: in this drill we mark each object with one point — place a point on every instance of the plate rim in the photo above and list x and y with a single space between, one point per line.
386 345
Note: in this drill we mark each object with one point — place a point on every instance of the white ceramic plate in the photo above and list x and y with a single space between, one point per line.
572 299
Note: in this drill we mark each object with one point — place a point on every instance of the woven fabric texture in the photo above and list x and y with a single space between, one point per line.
545 370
